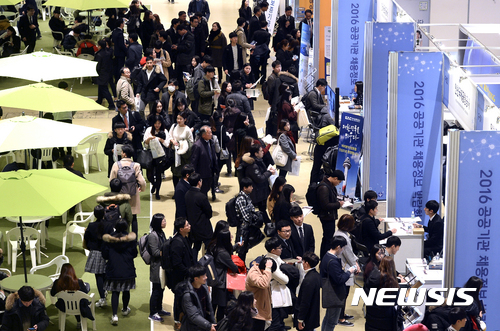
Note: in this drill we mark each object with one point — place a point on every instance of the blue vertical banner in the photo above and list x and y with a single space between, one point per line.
477 229
479 121
349 152
350 37
305 37
387 37
419 131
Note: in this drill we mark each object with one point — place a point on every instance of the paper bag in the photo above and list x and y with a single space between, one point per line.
296 167
302 119
156 148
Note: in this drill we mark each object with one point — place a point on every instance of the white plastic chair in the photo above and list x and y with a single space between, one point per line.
65 215
9 155
58 261
24 51
32 240
87 152
72 305
67 53
7 271
56 42
46 156
73 228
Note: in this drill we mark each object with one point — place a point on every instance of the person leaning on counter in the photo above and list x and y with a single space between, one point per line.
435 228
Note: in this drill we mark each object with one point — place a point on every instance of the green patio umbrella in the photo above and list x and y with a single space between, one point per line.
89 4
9 2
46 98
42 193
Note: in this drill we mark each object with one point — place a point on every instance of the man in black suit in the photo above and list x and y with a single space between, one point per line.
57 24
180 191
104 68
283 232
185 52
228 60
150 82
28 24
308 301
260 54
199 36
181 254
287 17
302 237
198 214
254 23
203 158
133 123
120 49
309 21
435 228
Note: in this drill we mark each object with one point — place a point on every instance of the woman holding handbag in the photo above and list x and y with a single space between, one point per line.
286 112
181 141
287 144
216 43
159 132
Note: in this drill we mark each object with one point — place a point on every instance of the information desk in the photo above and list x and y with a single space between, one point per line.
412 245
38 282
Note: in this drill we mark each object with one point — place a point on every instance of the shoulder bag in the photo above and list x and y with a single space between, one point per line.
279 157
333 297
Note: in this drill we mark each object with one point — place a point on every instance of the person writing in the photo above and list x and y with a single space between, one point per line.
435 228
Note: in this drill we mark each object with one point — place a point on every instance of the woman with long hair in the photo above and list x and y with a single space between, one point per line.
156 240
284 55
282 207
119 250
377 252
245 12
247 80
244 148
96 264
241 317
286 112
160 111
349 259
147 27
288 145
226 89
181 140
134 24
275 194
222 257
68 281
242 128
157 131
476 309
194 63
216 42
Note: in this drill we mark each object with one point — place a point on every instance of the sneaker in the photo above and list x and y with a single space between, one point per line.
125 312
348 317
155 318
114 320
101 303
218 190
345 323
164 313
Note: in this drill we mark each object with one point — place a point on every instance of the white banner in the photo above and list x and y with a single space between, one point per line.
271 14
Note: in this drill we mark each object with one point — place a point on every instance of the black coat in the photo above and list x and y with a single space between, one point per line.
120 256
435 229
24 27
285 57
287 251
12 318
309 243
185 49
256 170
146 86
136 121
110 144
199 214
282 21
371 234
182 258
223 262
246 13
200 158
179 196
253 26
120 50
327 198
104 59
200 38
228 59
308 300
262 37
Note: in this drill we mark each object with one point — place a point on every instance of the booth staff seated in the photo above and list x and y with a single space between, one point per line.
435 229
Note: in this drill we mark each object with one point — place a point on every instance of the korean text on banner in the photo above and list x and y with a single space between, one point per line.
349 153
304 58
271 14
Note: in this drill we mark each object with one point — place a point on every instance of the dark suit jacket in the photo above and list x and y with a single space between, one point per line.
134 55
199 214
287 251
136 121
228 59
199 40
24 27
309 243
146 86
254 25
308 301
179 197
76 172
120 50
282 22
185 49
262 37
104 59
182 258
435 229
371 234
200 158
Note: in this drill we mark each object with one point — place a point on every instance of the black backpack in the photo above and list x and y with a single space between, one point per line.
112 215
265 90
208 262
312 197
305 101
329 159
166 261
232 217
357 231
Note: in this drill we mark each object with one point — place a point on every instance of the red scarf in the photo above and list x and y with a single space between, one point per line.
290 135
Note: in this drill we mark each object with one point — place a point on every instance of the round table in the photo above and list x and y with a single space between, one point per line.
8 14
38 282
31 220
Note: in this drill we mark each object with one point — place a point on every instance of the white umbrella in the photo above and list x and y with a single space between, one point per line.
89 4
43 66
25 132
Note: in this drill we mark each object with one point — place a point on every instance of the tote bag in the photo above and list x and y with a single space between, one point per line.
279 157
333 297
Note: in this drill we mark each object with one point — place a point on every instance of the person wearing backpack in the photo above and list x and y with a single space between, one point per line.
156 239
326 195
119 250
130 174
115 199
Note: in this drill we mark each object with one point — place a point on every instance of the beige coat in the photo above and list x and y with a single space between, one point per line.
259 283
126 92
135 201
242 41
166 63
